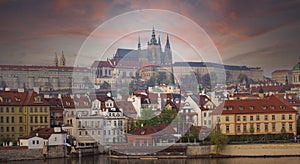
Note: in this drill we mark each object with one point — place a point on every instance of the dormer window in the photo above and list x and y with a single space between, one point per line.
37 99
264 107
241 107
68 103
17 99
272 107
282 106
251 107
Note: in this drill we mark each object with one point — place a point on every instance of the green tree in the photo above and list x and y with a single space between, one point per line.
218 139
148 117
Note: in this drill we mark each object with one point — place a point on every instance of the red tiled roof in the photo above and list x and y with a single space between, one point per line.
15 98
102 64
270 104
44 133
128 108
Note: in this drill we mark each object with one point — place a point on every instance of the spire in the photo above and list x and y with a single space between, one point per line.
139 44
56 60
153 39
62 59
168 42
158 40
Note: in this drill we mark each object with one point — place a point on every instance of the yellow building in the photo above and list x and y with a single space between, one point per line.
256 116
22 112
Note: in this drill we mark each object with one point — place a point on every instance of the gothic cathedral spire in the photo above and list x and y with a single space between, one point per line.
56 60
62 59
139 44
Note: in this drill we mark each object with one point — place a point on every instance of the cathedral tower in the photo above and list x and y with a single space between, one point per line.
62 59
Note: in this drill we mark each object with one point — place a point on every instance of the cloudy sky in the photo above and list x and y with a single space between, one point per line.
253 33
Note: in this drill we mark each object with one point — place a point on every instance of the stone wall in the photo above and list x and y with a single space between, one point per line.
247 150
20 153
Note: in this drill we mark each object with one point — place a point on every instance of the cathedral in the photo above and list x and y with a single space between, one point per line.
152 55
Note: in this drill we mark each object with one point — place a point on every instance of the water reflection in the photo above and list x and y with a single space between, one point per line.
102 159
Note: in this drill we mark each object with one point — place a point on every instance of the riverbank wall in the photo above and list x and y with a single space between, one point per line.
247 150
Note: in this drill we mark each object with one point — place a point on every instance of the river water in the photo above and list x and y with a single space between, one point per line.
102 159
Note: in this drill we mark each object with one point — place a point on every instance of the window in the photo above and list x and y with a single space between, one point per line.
33 142
290 117
241 107
20 110
1 119
41 119
35 109
227 118
120 123
244 128
115 123
41 109
31 119
238 128
282 107
251 118
7 129
7 119
283 117
264 107
204 122
283 126
257 118
46 119
36 119
290 126
12 109
227 128
80 133
251 107
257 127
31 110
37 142
21 129
13 129
7 110
273 117
272 107
204 114
1 110
244 118
238 118
1 129
273 127
266 117
45 110
266 127
12 119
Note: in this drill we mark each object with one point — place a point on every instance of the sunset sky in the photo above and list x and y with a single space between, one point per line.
245 32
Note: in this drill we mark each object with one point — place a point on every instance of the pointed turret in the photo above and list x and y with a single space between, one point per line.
153 38
168 42
56 60
139 44
158 40
62 59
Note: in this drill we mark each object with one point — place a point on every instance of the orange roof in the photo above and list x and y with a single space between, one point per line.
15 98
251 106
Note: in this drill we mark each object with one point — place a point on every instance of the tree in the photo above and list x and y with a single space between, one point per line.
218 139
148 117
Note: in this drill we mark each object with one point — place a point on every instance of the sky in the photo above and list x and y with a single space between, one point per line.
252 33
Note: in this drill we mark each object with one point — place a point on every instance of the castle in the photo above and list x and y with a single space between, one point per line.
152 55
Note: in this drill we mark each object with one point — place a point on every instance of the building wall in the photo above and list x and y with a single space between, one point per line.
230 126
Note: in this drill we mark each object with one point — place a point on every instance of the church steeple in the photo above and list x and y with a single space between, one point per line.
158 40
168 42
139 44
56 60
153 38
62 59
